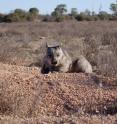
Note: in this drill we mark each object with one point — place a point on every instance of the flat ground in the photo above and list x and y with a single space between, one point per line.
28 97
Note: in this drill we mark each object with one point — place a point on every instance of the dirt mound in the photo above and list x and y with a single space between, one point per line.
26 93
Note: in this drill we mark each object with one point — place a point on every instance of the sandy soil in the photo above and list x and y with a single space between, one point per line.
28 97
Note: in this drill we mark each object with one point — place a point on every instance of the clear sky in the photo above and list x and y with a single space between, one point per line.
47 6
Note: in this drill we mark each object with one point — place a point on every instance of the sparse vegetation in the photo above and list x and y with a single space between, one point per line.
87 38
28 97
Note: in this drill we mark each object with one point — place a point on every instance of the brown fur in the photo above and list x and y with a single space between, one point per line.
56 59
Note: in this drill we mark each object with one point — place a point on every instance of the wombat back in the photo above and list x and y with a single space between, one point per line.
81 65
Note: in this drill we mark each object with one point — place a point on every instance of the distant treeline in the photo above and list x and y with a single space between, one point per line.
59 14
19 15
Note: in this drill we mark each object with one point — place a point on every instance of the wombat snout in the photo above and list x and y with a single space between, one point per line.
54 62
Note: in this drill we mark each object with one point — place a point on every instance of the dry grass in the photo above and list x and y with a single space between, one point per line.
23 43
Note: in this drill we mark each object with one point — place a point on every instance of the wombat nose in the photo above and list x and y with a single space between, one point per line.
54 62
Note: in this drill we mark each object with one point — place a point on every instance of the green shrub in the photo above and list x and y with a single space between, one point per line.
20 15
48 18
103 15
59 19
74 12
59 12
17 16
33 14
1 17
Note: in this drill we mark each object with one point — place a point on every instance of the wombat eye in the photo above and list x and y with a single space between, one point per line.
49 56
57 55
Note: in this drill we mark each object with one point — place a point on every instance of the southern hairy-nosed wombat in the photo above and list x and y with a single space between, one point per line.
57 59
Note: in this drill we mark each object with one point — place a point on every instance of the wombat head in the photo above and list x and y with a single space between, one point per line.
55 54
